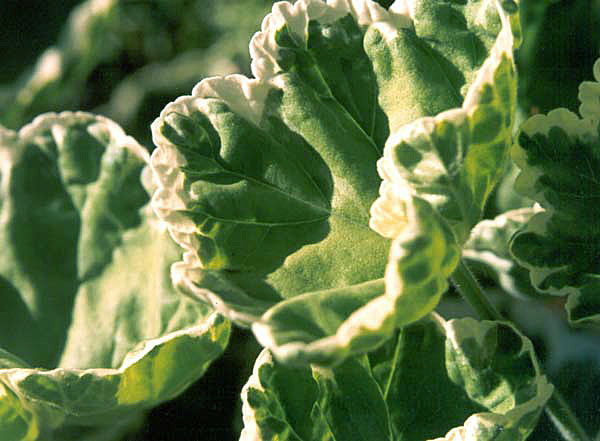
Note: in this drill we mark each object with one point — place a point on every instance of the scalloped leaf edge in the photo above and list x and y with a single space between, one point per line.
383 221
367 327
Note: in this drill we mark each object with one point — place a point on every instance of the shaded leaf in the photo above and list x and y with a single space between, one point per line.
92 329
489 246
559 155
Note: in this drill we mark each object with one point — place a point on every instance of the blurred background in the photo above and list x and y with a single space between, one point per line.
126 59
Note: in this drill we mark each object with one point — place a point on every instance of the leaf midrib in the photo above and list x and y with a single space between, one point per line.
326 212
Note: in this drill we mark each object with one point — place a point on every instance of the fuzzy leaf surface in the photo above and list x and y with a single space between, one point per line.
268 183
455 157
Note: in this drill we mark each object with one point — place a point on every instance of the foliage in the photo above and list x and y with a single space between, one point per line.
326 201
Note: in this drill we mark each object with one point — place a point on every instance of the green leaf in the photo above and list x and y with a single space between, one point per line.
483 383
91 328
300 404
70 187
454 159
324 327
352 403
559 154
268 400
410 368
488 246
497 368
268 183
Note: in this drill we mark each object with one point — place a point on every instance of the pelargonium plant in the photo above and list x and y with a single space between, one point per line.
327 203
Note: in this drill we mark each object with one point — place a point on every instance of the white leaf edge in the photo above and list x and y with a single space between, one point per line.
171 200
454 330
383 221
501 265
251 431
54 415
264 50
97 124
246 97
384 213
12 142
376 318
458 329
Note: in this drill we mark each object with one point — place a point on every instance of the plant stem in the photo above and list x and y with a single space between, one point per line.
557 408
471 291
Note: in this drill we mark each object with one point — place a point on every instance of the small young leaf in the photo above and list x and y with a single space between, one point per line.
326 404
489 246
278 402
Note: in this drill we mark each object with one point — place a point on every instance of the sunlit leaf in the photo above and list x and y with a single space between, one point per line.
268 183
455 158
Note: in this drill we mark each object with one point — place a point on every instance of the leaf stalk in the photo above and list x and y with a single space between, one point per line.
470 290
